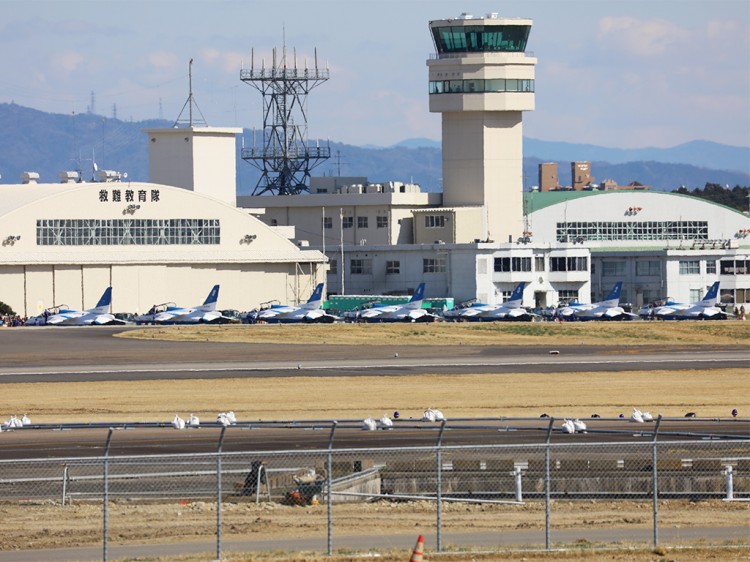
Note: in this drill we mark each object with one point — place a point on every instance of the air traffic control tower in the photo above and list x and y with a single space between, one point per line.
481 80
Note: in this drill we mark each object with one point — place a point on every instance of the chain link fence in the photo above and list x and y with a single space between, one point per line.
547 493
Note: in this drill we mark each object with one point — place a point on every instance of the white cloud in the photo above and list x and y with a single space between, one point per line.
67 61
638 36
163 60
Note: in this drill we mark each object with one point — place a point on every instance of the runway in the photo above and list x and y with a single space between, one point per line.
92 354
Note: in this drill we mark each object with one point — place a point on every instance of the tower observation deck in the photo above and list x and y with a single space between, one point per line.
481 80
284 156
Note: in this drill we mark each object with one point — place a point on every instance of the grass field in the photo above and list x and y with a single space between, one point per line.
657 333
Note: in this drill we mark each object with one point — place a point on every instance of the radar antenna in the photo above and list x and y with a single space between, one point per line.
284 157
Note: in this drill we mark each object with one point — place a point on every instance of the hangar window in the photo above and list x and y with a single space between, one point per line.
327 222
711 266
565 296
127 232
347 222
382 222
392 267
632 230
361 222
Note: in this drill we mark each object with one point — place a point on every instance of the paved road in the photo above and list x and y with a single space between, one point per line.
405 542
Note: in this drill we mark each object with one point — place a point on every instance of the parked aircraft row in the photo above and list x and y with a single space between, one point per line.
412 311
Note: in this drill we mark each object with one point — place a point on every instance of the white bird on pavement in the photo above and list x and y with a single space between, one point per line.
386 422
369 424
429 415
231 417
178 422
636 416
223 419
579 426
568 426
25 420
647 416
193 421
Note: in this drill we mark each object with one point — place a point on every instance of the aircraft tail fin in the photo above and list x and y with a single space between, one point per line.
102 306
316 299
710 299
516 298
613 298
416 298
211 300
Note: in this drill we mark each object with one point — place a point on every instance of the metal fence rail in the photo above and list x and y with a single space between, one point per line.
329 480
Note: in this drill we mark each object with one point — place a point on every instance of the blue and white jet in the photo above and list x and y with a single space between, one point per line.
412 311
608 309
705 309
63 316
510 310
169 313
309 312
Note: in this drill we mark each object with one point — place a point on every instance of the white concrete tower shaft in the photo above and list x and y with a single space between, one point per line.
481 80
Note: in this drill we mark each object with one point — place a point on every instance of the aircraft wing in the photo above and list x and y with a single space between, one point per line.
107 319
320 315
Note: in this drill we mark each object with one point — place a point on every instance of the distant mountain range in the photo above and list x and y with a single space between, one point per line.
31 140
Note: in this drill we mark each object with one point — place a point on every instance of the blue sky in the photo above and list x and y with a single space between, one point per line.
618 73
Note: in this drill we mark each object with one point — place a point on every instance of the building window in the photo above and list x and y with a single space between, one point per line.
650 268
347 222
392 267
434 221
711 266
479 86
695 295
539 263
520 264
361 222
567 295
613 268
327 222
127 232
632 230
502 264
690 267
333 266
735 267
569 264
382 222
361 267
433 265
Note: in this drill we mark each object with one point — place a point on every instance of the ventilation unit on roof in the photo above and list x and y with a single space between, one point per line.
30 177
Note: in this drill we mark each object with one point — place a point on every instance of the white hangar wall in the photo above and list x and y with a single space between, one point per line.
65 243
659 244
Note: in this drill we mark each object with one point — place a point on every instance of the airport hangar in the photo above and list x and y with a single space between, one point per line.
168 240
482 235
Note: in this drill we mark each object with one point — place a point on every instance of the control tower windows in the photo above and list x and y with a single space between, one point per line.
481 38
481 86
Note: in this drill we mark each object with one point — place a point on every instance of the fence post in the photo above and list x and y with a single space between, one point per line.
64 484
728 472
439 491
329 477
218 493
105 495
655 478
547 483
519 492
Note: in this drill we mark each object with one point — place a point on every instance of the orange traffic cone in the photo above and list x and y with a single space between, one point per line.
416 555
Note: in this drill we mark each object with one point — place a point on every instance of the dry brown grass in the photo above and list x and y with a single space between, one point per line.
446 333
672 393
